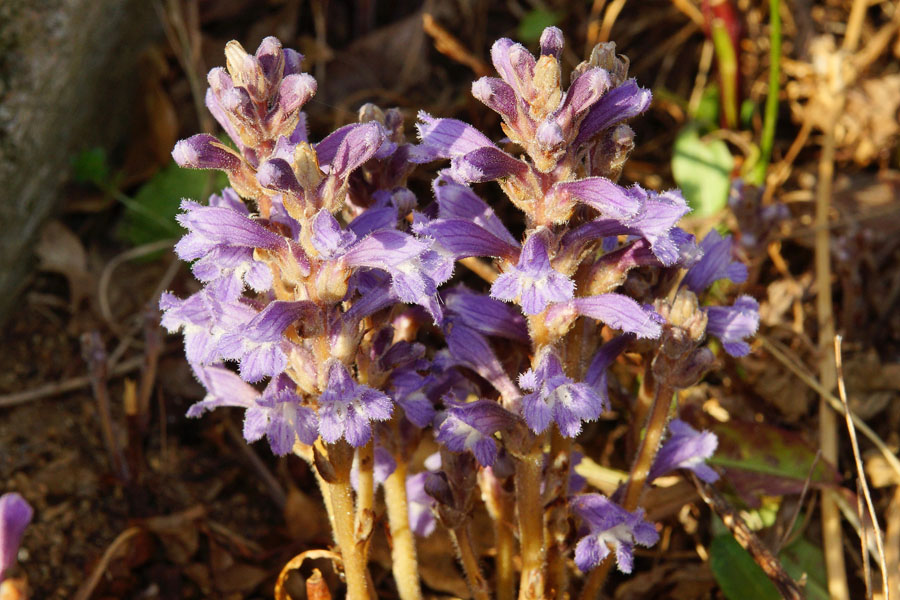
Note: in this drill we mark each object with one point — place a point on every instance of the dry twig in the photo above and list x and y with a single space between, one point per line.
863 483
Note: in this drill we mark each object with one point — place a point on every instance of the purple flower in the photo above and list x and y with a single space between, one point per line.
609 199
556 398
15 515
686 448
469 348
610 524
655 222
485 164
731 324
410 391
446 138
402 256
619 104
462 238
205 320
216 226
619 312
205 151
532 282
458 201
328 237
277 413
597 372
260 345
716 263
515 65
471 427
551 42
485 315
421 516
474 157
356 144
346 408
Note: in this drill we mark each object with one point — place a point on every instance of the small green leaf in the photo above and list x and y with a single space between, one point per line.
708 107
748 109
150 215
803 560
702 170
738 575
91 166
533 24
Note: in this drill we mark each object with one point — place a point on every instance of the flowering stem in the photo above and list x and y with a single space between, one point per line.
365 493
352 553
506 545
466 554
656 425
403 548
531 523
556 518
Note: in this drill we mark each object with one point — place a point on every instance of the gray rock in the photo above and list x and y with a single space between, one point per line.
67 83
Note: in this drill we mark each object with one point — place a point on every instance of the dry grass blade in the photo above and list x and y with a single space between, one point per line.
447 44
782 357
87 589
828 438
863 482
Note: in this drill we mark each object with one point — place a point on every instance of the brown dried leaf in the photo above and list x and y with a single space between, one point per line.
60 251
240 578
304 516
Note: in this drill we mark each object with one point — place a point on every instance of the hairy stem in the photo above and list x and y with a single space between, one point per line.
365 491
352 554
466 554
403 549
531 524
557 516
656 425
505 541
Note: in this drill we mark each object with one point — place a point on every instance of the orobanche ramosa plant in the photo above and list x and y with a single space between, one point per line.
328 312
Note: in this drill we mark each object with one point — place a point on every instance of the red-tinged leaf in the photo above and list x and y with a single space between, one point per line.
761 459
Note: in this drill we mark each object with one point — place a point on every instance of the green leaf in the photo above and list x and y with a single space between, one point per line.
702 170
532 25
803 560
150 215
738 575
91 166
708 107
764 460
748 109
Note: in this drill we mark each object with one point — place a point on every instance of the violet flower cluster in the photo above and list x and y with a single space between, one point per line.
322 312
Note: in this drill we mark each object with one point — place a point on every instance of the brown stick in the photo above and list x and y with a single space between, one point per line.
748 541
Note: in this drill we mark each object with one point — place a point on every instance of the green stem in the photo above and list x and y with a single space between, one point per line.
728 70
767 141
403 549
531 523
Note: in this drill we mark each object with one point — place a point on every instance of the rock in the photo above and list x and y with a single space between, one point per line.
66 84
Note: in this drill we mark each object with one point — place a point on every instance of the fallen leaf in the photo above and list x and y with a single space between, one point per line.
60 251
